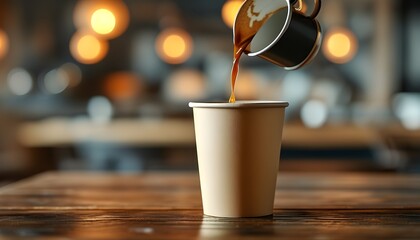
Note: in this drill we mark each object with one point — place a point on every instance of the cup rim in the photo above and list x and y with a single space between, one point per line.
239 104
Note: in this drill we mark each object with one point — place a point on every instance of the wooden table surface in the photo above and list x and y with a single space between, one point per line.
80 205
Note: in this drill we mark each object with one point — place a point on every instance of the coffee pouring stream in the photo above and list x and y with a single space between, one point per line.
279 31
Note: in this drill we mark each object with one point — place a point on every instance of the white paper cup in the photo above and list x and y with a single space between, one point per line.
238 149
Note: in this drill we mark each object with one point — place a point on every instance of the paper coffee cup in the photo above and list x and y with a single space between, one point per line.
238 150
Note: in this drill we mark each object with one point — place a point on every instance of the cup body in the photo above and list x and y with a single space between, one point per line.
238 149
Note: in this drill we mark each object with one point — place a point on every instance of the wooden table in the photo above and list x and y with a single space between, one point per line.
68 205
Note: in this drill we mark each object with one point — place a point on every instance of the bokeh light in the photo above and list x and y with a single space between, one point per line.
247 85
100 109
103 21
88 49
72 72
122 86
174 45
55 81
185 85
340 45
295 88
4 44
109 18
230 10
314 113
407 110
19 81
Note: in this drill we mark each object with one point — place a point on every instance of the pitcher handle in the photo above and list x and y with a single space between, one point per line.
315 11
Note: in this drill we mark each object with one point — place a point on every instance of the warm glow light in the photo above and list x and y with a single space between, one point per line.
174 45
247 85
230 10
88 49
109 18
4 44
185 85
122 86
340 45
102 21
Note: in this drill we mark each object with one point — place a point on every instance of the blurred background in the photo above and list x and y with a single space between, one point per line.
104 85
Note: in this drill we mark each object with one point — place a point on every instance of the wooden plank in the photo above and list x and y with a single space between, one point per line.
79 205
107 180
190 224
181 191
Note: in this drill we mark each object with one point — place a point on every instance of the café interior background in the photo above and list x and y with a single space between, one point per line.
104 85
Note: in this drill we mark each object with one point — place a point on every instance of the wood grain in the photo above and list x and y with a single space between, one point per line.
79 205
